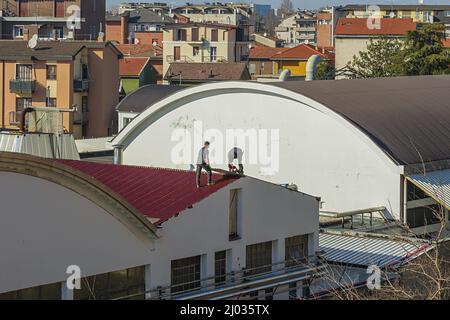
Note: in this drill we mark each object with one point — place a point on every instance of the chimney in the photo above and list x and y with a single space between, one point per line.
124 28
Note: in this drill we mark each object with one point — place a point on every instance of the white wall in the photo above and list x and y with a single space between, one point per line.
122 116
44 228
269 213
323 156
347 48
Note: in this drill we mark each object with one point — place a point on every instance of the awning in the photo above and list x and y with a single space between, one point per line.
436 184
363 249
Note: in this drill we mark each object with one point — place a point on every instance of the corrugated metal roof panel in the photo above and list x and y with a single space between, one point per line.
436 184
155 192
41 145
365 251
376 105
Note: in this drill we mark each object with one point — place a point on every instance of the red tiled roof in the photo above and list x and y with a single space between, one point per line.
397 27
301 52
155 192
131 66
263 52
139 50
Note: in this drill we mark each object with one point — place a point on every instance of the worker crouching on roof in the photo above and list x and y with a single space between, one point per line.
235 154
203 163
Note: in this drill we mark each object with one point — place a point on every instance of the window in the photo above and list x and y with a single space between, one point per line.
24 72
84 104
51 102
122 283
195 51
213 54
214 35
296 250
259 258
234 214
181 35
126 121
220 266
185 274
176 53
45 292
51 72
447 13
59 32
22 104
18 31
194 35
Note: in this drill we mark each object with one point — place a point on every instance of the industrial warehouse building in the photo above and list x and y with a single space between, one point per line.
362 145
138 232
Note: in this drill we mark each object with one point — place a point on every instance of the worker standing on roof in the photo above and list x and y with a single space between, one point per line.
235 154
203 163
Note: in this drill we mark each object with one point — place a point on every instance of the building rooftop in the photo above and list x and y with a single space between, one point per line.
301 52
263 52
141 50
203 72
48 50
132 67
158 194
407 117
142 15
146 96
360 27
412 7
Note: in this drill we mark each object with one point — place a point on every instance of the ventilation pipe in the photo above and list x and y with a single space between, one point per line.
311 67
284 76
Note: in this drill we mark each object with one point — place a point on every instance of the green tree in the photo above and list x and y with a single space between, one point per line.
381 59
424 52
325 71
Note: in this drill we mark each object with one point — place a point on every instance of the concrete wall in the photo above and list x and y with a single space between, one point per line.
346 48
268 213
320 152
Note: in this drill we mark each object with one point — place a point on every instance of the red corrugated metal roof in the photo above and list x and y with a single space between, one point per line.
396 27
155 192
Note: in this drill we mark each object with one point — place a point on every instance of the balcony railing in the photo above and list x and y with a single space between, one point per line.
171 59
22 85
215 59
81 85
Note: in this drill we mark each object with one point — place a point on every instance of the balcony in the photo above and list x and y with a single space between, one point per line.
81 85
171 59
22 86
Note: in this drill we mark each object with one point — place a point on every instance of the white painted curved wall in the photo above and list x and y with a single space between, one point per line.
323 156
45 227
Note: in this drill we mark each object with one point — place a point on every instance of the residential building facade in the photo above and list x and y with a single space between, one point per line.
353 35
420 13
298 28
52 19
65 75
204 43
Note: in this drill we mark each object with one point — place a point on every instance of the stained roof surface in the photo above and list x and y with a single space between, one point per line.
155 192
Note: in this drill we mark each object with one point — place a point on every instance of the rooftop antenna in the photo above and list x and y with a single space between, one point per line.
32 43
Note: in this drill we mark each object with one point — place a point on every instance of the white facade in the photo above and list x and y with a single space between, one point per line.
318 150
57 227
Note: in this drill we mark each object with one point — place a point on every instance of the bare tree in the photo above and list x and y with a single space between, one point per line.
286 7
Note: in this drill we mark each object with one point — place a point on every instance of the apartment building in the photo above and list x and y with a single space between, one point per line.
419 13
353 35
52 19
140 26
78 75
204 43
325 28
298 28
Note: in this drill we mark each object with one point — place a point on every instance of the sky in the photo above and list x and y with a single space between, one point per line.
303 4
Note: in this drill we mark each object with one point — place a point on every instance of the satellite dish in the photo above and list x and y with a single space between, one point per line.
306 41
101 34
32 43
